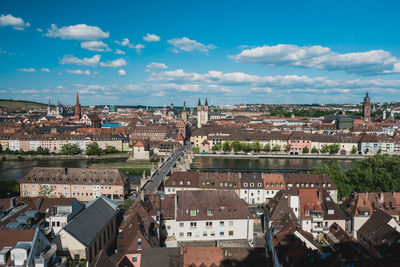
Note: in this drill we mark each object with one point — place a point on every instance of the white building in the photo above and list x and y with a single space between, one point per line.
209 216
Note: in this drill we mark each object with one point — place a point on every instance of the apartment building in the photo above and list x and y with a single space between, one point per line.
209 215
81 183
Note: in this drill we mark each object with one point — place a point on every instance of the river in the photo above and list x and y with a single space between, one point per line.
14 169
273 164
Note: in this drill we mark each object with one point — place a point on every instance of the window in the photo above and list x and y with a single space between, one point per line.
208 223
134 259
209 212
221 223
231 233
259 184
230 223
193 224
221 233
189 234
181 224
193 213
173 183
181 234
245 184
251 184
204 233
212 234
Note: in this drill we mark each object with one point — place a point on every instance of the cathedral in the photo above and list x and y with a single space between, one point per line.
78 108
202 114
58 110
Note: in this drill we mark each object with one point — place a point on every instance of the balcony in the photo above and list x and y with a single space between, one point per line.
317 218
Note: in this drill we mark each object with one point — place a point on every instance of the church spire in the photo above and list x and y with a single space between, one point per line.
199 103
78 109
206 104
184 105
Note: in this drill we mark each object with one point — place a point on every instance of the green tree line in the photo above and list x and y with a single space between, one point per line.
380 173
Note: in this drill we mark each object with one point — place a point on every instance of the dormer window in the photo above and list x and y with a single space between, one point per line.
251 184
188 182
245 184
181 182
259 184
173 182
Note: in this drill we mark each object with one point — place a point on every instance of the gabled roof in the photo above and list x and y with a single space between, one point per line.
86 226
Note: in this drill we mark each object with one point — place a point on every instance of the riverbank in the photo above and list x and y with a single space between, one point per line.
64 157
281 156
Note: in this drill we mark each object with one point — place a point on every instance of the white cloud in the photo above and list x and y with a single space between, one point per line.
244 81
98 46
319 57
27 70
60 87
262 89
79 72
155 65
119 52
80 32
187 45
69 59
139 48
39 29
151 38
45 70
121 72
125 42
14 22
114 63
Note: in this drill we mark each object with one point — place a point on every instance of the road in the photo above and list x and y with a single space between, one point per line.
155 181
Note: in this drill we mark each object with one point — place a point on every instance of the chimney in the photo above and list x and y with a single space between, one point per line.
319 196
381 197
366 194
66 171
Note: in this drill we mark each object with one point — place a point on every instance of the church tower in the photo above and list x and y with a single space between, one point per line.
202 114
367 109
199 113
184 113
78 108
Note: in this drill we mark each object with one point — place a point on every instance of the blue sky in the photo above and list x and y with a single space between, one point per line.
158 52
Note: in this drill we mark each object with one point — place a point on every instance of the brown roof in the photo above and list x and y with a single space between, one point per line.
223 204
183 179
9 238
75 176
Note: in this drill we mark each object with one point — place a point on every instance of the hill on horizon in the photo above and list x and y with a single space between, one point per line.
10 103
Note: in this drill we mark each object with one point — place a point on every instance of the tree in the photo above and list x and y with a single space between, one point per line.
267 147
379 151
314 150
226 147
45 190
93 149
216 147
196 149
334 148
306 150
237 146
39 150
246 147
110 150
276 148
1 149
287 147
353 150
70 149
325 149
256 146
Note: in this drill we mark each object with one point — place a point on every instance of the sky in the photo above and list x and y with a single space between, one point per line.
160 52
